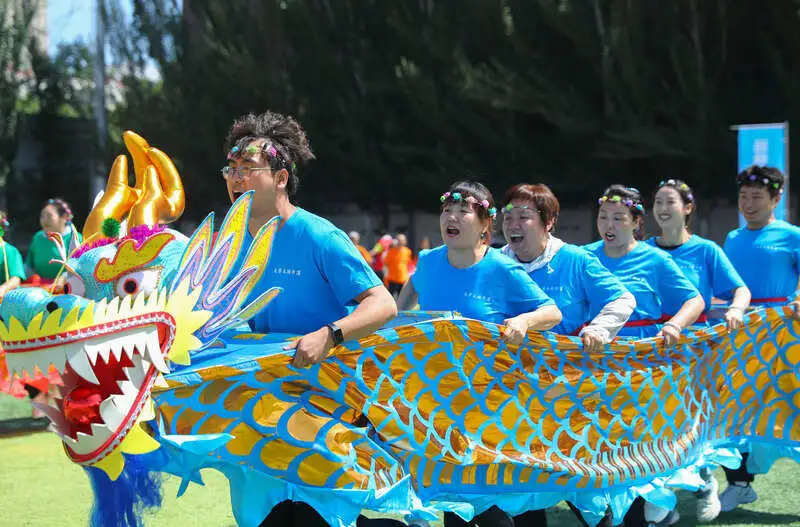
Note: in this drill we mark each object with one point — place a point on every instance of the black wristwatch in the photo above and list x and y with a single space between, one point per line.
336 334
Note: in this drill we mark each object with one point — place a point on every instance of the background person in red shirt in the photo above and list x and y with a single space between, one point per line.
378 252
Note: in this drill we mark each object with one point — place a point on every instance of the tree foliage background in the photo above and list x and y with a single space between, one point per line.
402 97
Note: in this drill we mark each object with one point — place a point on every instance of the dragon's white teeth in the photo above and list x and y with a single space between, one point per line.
105 353
100 431
117 348
58 357
128 389
93 350
129 347
54 414
64 437
79 362
137 373
154 352
114 347
110 412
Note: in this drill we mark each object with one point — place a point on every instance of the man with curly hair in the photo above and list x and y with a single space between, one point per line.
329 293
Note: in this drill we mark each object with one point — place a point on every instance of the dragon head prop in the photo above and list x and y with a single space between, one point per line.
128 308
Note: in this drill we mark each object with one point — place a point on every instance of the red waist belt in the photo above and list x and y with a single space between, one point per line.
653 321
769 300
646 322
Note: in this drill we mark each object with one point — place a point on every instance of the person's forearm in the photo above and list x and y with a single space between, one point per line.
10 285
544 318
612 317
375 310
689 312
741 298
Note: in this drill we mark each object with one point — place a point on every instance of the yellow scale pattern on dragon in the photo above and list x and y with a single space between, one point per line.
433 412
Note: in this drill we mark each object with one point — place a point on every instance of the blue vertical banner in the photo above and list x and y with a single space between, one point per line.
766 144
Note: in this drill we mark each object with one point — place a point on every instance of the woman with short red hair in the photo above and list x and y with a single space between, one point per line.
594 303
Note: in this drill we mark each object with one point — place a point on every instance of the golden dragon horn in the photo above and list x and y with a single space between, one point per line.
162 199
156 197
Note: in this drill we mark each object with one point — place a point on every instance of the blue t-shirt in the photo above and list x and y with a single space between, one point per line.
492 290
319 271
579 284
704 263
654 279
767 259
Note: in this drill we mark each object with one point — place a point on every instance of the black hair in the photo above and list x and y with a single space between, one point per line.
683 190
762 176
631 198
62 208
286 146
462 190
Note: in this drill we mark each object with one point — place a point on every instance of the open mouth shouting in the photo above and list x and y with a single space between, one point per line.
516 238
108 363
609 236
452 231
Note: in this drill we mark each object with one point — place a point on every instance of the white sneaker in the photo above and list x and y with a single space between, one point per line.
660 517
671 518
737 494
708 505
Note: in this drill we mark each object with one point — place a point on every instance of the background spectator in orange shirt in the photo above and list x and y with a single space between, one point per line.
397 262
355 237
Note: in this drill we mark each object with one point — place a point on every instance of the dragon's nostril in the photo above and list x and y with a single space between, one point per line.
51 306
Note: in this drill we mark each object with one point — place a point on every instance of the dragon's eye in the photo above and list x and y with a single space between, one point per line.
141 281
73 285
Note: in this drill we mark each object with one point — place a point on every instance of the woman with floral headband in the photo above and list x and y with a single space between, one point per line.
702 261
55 217
468 276
593 302
705 264
666 301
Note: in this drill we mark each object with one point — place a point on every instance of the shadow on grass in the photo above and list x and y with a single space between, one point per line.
22 426
748 517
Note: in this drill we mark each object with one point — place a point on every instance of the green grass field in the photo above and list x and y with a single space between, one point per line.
39 487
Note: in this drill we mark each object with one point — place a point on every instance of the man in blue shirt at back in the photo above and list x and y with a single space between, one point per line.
329 293
766 254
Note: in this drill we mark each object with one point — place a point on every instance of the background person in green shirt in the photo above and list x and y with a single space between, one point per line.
12 272
56 216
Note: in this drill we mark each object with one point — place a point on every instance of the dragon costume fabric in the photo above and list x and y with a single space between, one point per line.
160 374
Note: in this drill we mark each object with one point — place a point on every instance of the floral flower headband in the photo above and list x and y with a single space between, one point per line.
509 207
618 199
456 196
4 225
752 178
269 149
63 204
674 184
